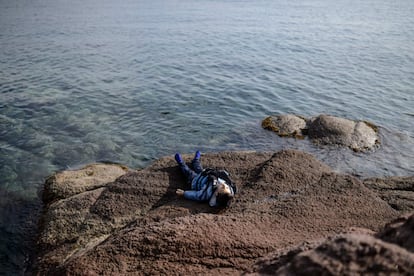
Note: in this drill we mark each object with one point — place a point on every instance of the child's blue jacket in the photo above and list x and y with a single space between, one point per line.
201 190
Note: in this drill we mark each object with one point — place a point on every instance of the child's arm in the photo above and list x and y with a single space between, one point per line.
190 194
201 195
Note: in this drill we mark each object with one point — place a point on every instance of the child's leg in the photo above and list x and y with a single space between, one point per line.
189 173
196 163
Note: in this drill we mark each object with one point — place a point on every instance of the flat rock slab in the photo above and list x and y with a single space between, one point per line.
67 183
135 224
325 130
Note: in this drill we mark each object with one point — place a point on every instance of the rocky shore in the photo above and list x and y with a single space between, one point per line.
292 214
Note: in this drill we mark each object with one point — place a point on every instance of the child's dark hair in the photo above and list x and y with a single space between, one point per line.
224 200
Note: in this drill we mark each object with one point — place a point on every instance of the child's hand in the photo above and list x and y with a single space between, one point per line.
179 192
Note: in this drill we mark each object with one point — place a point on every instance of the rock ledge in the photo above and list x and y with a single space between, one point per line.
135 224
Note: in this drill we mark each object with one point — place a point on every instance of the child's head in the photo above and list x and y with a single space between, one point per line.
224 194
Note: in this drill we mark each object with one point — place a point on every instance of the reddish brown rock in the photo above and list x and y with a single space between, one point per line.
137 225
398 191
400 232
71 182
349 254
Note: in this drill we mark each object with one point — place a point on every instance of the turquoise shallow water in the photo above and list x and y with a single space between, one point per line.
84 81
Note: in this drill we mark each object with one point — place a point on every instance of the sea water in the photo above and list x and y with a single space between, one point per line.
131 81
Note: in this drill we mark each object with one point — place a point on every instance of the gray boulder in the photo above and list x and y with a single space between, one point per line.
357 135
287 125
325 130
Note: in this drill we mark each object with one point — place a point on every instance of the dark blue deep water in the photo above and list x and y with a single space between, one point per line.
131 81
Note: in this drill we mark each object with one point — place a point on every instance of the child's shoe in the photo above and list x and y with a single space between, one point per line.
179 159
197 155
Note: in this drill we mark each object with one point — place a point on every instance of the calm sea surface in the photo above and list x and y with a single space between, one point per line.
129 82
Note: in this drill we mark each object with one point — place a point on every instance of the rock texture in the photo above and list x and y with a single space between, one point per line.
388 252
356 135
68 183
346 254
400 232
135 224
397 191
325 130
286 125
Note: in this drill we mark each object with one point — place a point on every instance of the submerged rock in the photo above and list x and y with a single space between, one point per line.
325 130
286 125
135 224
357 135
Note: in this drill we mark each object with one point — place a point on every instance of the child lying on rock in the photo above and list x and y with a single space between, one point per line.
206 185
